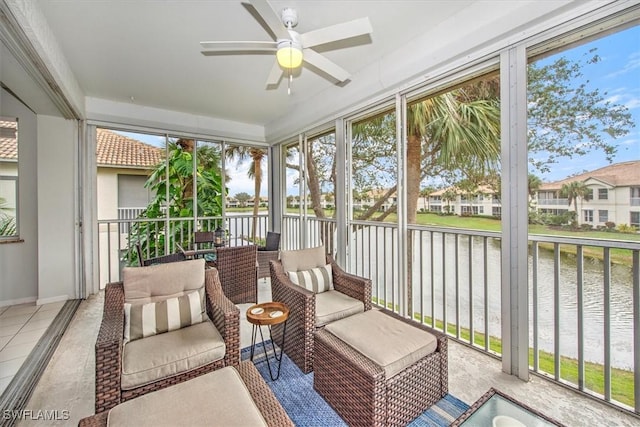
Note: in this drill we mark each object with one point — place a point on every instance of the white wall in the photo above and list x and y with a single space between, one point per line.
19 260
56 201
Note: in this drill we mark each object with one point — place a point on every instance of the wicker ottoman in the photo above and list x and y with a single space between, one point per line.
397 372
169 405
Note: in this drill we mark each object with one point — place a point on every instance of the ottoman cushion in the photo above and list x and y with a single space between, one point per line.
334 305
390 343
217 398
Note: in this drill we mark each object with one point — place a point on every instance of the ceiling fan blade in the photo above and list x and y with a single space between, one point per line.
275 75
336 32
314 58
271 18
232 46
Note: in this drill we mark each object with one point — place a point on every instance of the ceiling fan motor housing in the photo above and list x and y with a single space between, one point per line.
289 17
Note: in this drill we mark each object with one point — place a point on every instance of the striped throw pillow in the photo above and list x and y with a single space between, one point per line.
145 320
316 280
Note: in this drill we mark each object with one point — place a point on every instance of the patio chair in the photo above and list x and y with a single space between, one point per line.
270 251
310 310
237 266
142 262
137 354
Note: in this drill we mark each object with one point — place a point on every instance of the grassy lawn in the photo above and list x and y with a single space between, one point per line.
621 380
618 256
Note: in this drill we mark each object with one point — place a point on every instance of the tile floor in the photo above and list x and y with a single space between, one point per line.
21 326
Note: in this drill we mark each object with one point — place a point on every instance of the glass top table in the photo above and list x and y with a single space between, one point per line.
496 409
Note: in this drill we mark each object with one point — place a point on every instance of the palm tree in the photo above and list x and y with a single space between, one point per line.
449 130
425 193
449 196
573 191
533 184
257 155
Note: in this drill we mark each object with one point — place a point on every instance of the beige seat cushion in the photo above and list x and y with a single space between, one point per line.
334 305
219 398
390 343
158 282
160 356
303 259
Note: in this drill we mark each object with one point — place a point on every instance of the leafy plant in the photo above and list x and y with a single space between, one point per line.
172 182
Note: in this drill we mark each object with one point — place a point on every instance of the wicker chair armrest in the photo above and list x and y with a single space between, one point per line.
355 286
225 316
108 349
97 420
301 301
272 411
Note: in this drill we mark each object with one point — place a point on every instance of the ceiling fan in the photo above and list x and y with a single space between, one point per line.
292 48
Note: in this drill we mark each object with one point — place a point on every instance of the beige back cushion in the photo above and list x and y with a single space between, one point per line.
162 281
303 259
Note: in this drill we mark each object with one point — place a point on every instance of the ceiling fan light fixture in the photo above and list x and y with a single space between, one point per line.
289 54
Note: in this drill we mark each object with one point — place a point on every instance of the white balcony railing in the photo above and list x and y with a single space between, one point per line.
552 202
584 294
584 299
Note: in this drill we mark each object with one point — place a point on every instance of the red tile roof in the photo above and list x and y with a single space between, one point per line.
113 150
617 175
8 146
117 150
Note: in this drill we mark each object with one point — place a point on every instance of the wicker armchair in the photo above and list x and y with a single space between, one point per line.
238 270
270 251
109 348
302 323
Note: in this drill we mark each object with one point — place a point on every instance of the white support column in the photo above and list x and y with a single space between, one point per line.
276 191
515 301
341 197
401 153
302 149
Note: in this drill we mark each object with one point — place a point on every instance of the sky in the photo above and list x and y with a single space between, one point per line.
617 75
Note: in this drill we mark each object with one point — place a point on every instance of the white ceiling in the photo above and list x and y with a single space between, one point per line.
148 53
139 62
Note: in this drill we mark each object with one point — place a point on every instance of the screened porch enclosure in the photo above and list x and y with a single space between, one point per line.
562 306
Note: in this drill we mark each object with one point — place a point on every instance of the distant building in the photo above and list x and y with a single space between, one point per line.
123 166
482 201
615 195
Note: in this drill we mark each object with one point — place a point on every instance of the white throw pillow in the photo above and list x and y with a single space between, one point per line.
317 280
144 320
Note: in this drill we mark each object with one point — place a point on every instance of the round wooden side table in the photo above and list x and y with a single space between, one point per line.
268 314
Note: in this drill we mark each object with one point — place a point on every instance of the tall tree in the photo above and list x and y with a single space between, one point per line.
257 156
243 198
566 118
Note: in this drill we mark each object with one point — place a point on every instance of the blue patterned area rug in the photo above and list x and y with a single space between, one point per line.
307 408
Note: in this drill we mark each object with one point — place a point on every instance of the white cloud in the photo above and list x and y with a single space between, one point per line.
239 182
633 63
